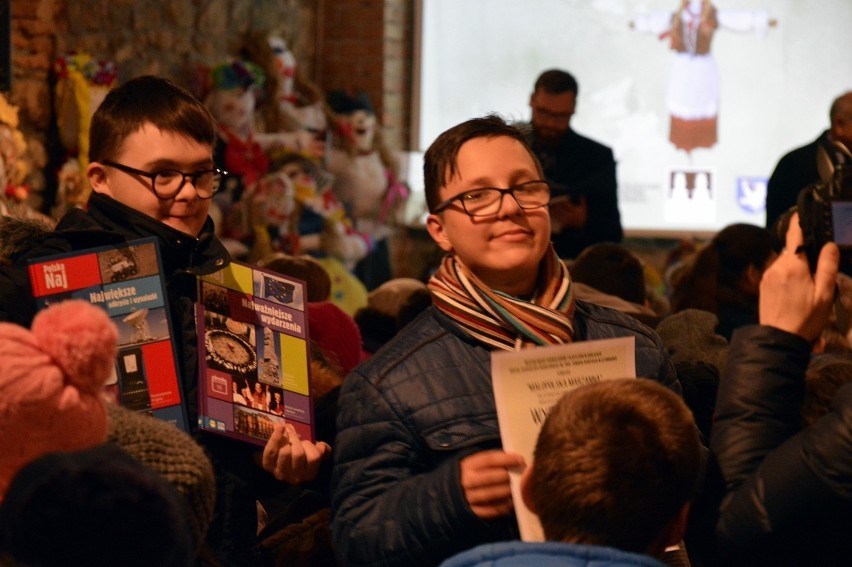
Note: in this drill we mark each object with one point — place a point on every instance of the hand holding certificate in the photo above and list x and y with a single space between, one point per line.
528 382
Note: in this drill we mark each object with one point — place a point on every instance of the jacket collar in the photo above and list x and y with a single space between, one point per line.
180 251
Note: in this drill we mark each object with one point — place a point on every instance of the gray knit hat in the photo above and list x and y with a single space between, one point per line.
172 453
690 336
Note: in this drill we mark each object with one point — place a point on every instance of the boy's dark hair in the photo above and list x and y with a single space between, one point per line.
556 81
98 507
142 100
439 162
614 464
611 268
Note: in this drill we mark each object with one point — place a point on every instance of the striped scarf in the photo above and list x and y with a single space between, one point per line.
500 320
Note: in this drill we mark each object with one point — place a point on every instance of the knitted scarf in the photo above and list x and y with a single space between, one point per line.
501 320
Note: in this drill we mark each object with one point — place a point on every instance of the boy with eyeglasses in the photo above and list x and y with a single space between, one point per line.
419 470
152 173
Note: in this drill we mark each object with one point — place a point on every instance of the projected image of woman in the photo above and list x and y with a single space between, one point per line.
692 97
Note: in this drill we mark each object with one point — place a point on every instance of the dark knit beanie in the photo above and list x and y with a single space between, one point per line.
98 507
690 336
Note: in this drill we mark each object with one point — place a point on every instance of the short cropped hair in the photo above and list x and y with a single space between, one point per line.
439 162
611 268
614 464
142 100
556 81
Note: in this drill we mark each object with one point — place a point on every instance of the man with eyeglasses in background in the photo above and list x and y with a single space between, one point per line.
419 470
584 210
152 173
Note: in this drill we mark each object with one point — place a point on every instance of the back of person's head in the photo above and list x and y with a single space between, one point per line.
615 464
390 307
825 375
413 306
147 100
389 298
611 268
302 267
98 507
439 161
556 81
718 273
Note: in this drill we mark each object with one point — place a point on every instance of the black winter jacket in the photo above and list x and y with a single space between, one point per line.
788 490
409 414
231 536
108 221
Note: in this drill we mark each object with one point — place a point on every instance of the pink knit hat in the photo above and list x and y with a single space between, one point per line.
51 381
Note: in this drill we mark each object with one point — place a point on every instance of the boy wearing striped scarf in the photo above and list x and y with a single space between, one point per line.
419 470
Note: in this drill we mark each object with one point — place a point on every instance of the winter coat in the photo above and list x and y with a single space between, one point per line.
409 414
548 554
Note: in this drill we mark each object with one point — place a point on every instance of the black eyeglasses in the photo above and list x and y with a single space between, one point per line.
487 201
167 183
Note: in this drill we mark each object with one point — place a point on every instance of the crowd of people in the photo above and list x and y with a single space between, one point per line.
729 447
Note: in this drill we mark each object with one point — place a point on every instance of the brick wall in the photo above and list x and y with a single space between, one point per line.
366 45
361 44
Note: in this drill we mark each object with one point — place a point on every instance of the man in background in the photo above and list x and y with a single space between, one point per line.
812 162
584 209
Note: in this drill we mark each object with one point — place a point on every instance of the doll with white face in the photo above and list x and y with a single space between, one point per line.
363 127
291 117
285 66
366 181
233 109
232 102
364 168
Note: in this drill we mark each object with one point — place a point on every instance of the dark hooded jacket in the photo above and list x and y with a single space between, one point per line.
107 222
406 418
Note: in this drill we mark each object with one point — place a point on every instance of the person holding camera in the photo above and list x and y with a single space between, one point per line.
584 209
786 486
812 162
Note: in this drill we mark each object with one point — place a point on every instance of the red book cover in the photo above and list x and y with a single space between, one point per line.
126 282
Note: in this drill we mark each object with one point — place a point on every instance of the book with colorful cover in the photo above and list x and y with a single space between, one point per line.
126 281
253 354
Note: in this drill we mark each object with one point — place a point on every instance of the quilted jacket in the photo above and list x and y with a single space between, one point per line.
409 414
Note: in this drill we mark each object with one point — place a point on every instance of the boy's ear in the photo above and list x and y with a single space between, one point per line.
96 174
435 227
526 488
